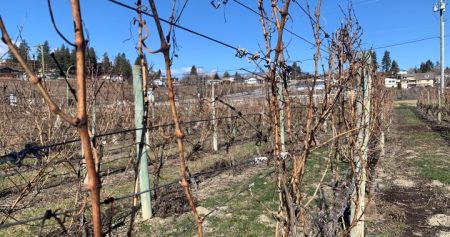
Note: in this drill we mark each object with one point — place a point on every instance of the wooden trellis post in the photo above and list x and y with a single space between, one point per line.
363 122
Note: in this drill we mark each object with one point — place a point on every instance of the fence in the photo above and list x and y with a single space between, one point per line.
52 173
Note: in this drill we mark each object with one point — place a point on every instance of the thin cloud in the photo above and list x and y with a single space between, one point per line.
181 71
186 70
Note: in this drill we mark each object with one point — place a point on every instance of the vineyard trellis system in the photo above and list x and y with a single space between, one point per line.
347 118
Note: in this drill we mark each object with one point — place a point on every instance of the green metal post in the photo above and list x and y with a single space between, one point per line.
213 105
141 148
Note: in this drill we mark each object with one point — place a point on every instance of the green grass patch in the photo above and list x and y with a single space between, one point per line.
236 212
241 209
239 212
393 228
432 150
32 228
236 152
434 168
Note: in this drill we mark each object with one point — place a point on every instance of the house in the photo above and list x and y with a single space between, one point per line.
228 79
407 80
113 78
425 79
417 80
390 82
254 81
158 82
9 73
304 85
213 82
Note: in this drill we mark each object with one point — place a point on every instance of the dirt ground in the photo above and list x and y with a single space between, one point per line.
409 203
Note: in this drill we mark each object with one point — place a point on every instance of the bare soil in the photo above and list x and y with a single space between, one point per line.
408 204
172 200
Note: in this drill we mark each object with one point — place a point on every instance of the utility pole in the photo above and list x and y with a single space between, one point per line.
440 7
42 60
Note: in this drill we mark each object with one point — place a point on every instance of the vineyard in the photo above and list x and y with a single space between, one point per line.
86 156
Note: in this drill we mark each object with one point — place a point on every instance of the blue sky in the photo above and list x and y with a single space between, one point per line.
384 22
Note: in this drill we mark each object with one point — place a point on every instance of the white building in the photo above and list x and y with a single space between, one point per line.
253 81
158 82
390 82
228 79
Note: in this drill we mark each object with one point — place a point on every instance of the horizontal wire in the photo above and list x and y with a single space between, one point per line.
127 131
183 28
408 42
112 199
273 22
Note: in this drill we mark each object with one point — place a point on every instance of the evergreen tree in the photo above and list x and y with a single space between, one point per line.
373 55
296 71
122 66
23 49
216 76
193 71
137 61
62 55
426 66
73 57
44 51
394 68
158 74
238 77
192 78
92 59
226 75
386 61
106 64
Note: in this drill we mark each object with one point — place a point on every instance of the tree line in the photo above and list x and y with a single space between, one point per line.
391 66
65 57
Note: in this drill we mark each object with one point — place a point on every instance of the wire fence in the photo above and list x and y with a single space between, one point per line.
49 213
50 165
117 163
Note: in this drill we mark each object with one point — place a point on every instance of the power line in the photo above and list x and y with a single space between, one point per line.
311 18
240 52
407 42
273 22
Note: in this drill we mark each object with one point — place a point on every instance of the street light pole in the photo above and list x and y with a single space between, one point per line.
440 7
